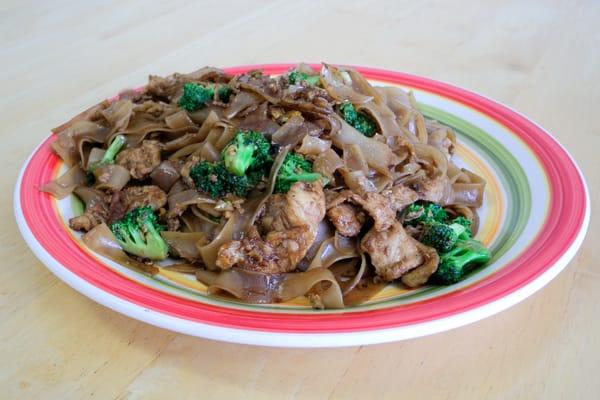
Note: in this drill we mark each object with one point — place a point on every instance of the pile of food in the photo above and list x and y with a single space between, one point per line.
311 183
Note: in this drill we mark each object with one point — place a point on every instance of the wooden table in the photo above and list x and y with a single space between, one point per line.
60 57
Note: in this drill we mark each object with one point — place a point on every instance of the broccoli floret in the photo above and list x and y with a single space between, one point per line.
195 96
138 233
464 222
296 76
455 264
109 155
216 181
224 93
294 168
424 213
359 120
443 237
247 150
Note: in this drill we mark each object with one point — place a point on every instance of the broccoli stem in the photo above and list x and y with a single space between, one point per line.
109 155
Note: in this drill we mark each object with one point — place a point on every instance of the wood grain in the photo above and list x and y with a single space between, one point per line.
59 57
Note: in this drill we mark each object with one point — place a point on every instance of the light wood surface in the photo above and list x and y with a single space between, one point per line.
57 58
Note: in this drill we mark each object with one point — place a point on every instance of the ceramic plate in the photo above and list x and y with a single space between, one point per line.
535 214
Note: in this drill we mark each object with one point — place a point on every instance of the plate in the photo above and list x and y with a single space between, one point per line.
536 212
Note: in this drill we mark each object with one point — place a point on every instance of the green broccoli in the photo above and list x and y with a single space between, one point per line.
464 222
109 155
296 76
294 168
224 92
424 213
455 264
443 237
247 150
138 233
358 119
195 96
216 181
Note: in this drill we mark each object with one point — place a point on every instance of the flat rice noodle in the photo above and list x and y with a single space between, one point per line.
208 152
433 155
381 182
181 142
324 232
101 240
202 210
225 135
182 268
118 114
69 142
441 139
467 194
95 155
185 151
259 288
362 86
185 244
89 195
240 102
64 185
259 121
419 276
194 224
305 68
420 127
393 95
165 175
292 132
199 116
469 189
358 182
188 197
209 123
210 74
327 163
332 250
112 176
354 159
314 146
258 203
384 117
378 155
232 228
177 187
208 209
345 269
265 125
86 115
339 88
179 120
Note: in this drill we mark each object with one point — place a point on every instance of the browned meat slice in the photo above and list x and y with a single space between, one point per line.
434 190
393 252
185 170
140 196
290 221
419 276
95 213
347 219
376 205
400 196
140 161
